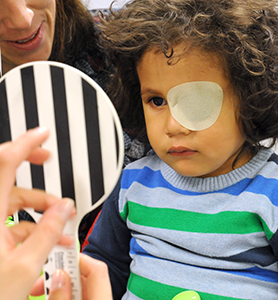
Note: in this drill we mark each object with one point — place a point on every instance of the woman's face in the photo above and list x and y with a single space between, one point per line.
26 31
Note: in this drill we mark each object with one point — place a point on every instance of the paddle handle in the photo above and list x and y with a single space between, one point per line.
65 258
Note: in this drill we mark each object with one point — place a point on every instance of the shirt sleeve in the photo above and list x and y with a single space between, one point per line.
109 242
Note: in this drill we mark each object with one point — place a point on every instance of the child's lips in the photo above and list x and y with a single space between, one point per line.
181 151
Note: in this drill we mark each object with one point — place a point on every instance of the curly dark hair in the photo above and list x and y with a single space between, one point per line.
75 31
243 33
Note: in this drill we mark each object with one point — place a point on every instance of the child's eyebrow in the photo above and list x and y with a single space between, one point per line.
149 91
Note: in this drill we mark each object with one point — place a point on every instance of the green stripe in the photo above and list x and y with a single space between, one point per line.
124 213
230 222
149 290
267 231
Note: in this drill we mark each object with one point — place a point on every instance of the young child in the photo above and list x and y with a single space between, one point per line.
200 77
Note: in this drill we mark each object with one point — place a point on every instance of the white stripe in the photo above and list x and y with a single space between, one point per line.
47 118
17 122
78 139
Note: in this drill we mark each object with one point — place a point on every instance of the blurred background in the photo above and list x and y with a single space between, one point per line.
102 4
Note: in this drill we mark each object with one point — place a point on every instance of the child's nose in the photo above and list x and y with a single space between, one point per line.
15 14
173 127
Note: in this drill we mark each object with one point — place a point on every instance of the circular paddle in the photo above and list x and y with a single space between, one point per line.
85 142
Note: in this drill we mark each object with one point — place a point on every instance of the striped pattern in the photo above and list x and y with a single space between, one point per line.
220 241
84 130
85 142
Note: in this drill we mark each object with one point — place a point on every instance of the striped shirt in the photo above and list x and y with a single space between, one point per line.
216 236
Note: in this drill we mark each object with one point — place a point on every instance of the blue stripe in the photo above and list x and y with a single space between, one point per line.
257 273
135 248
254 273
143 176
262 256
258 185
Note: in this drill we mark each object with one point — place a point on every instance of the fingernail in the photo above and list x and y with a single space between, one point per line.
42 129
58 280
65 208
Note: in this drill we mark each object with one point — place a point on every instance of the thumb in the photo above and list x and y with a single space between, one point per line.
60 288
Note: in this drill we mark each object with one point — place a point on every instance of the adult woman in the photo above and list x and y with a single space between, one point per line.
57 30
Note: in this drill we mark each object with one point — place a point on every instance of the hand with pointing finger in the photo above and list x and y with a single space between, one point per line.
21 264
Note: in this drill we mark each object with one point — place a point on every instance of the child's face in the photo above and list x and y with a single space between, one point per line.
208 152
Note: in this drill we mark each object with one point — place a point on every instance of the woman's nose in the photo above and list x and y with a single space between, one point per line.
173 127
15 14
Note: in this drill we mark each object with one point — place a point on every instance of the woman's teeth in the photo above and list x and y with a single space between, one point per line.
27 40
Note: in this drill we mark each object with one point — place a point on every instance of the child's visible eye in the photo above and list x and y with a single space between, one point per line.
158 101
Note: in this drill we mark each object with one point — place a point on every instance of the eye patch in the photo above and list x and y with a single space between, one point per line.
196 105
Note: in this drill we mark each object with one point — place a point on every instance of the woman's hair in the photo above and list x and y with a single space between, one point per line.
243 33
75 31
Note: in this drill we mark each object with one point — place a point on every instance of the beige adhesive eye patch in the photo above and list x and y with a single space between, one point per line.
196 105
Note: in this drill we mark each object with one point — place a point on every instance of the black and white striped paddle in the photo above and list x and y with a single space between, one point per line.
85 141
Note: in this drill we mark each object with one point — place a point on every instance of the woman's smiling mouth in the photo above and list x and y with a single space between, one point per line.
29 43
27 39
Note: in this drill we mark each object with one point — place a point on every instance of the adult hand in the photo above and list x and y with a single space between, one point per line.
95 282
20 265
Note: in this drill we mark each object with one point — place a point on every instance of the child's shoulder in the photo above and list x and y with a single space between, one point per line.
269 167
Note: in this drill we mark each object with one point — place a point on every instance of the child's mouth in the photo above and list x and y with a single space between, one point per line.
181 151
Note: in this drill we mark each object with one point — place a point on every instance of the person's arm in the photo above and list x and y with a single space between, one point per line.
25 247
109 242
